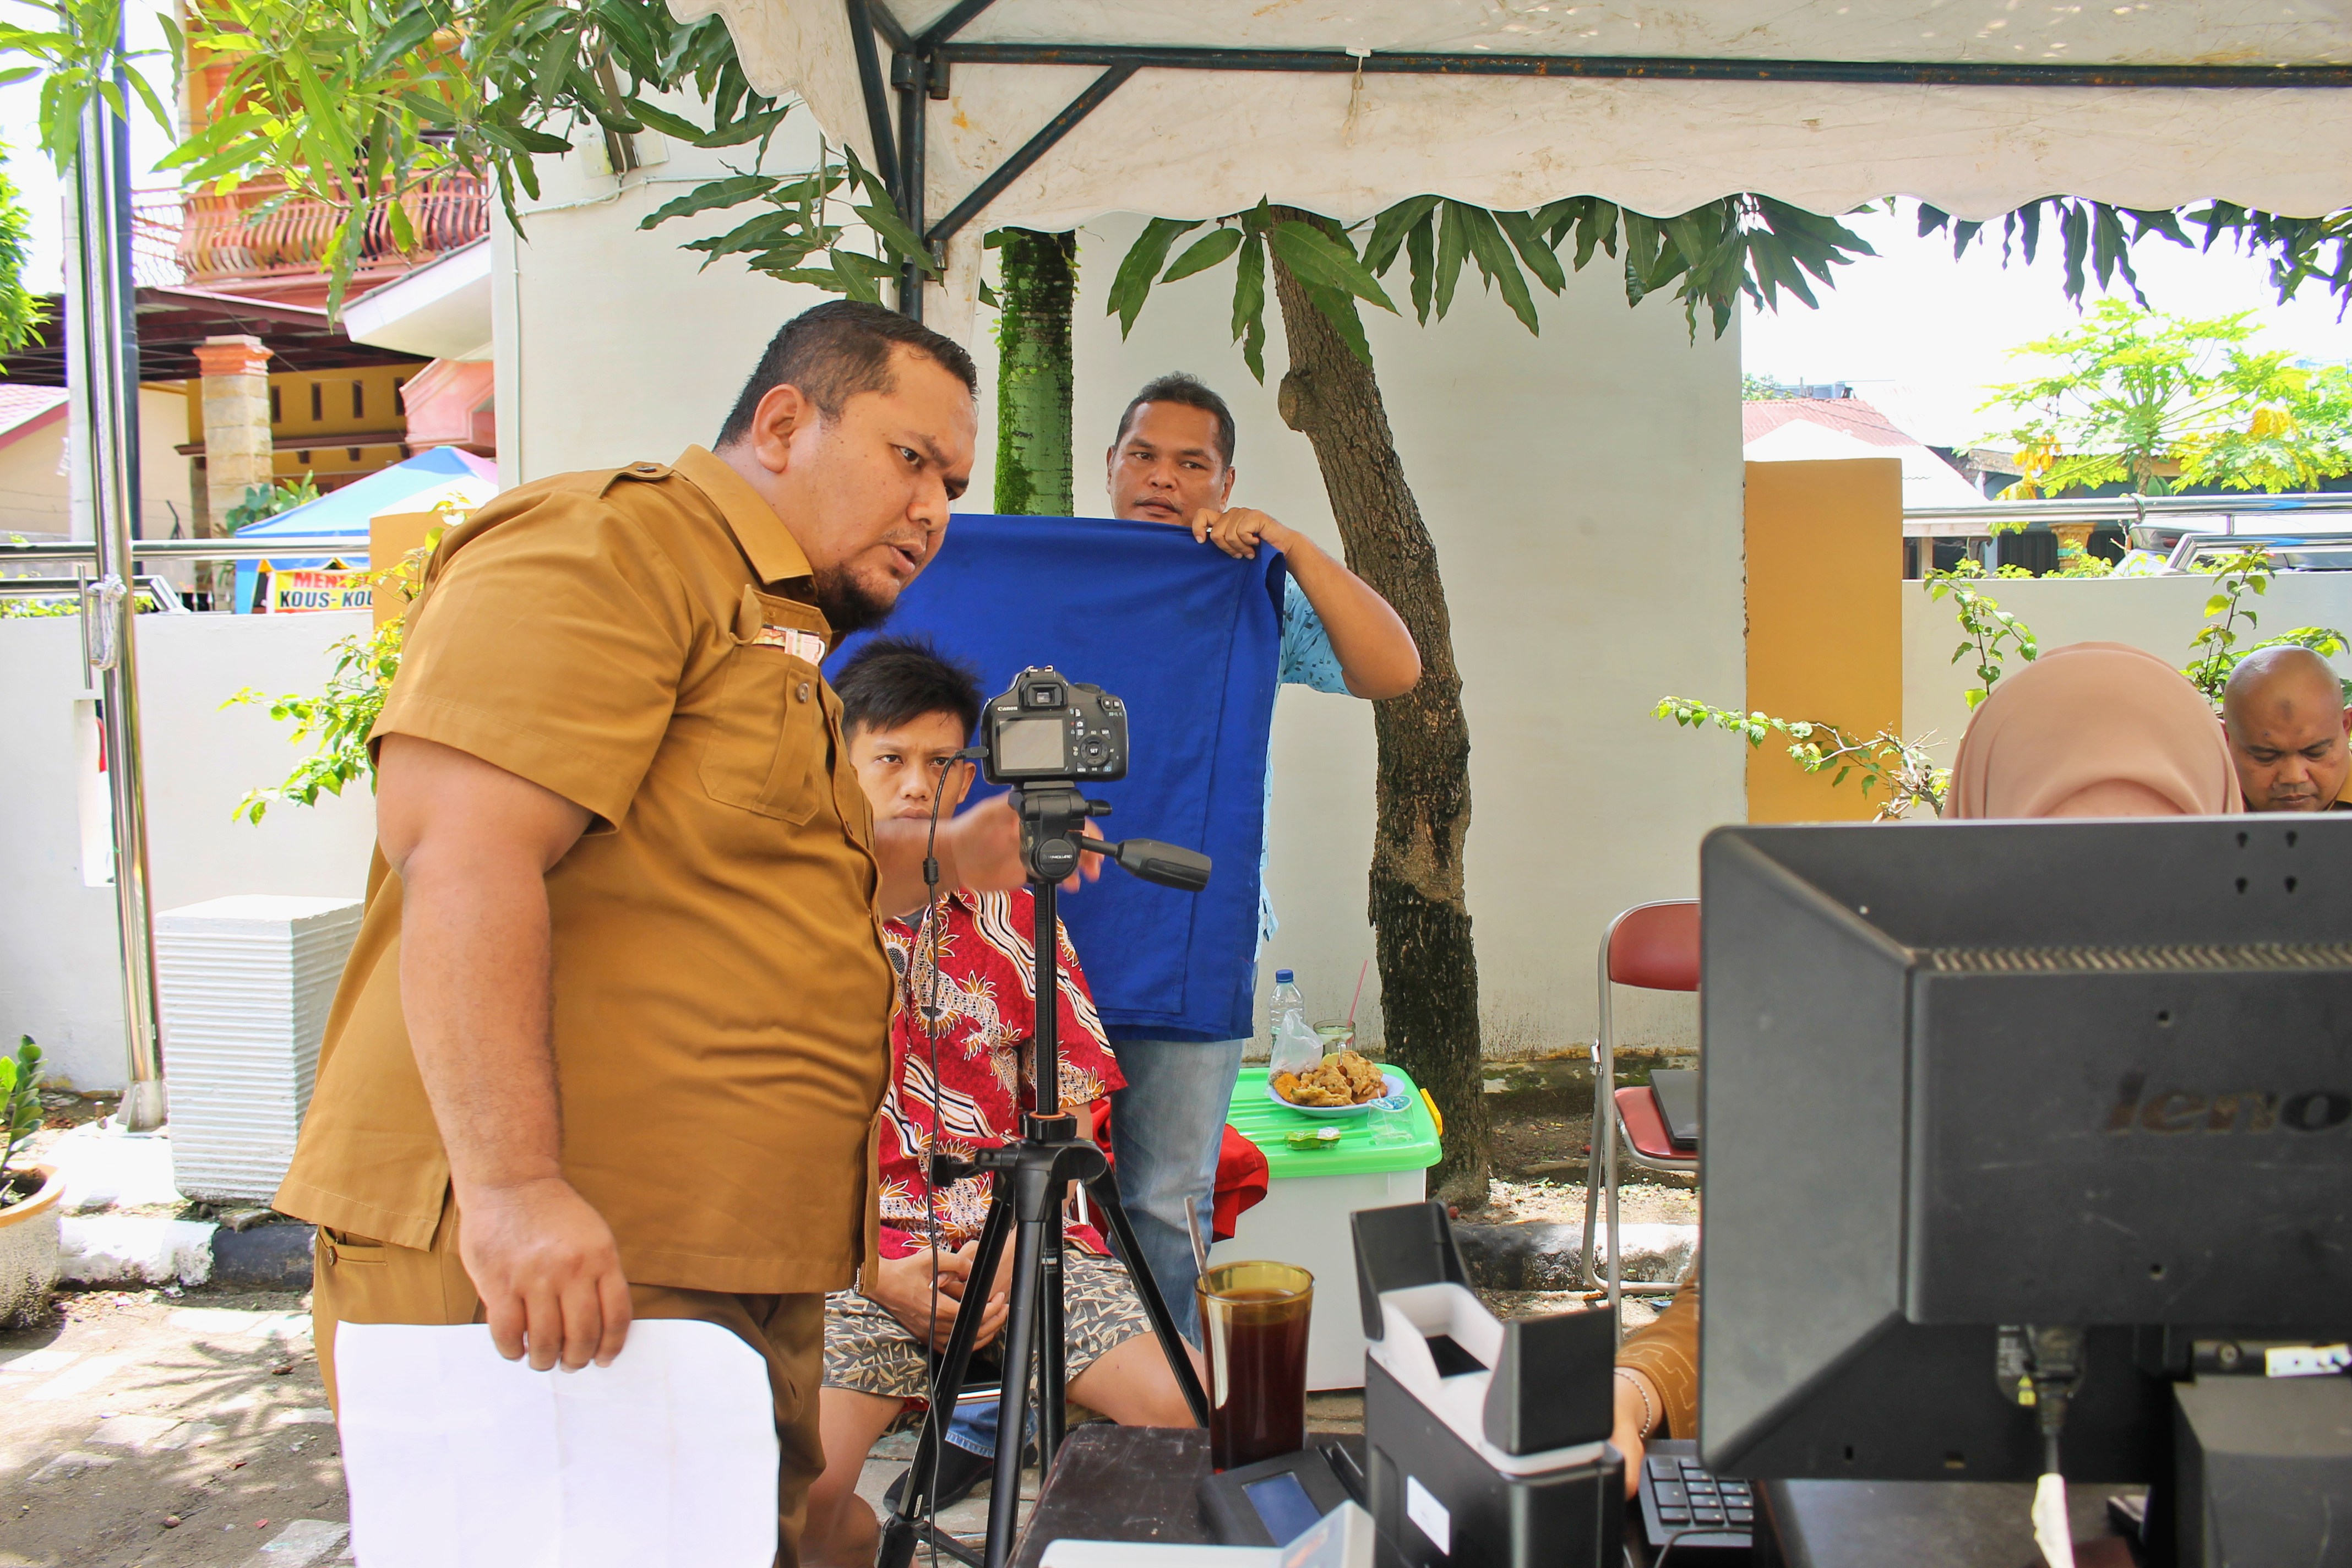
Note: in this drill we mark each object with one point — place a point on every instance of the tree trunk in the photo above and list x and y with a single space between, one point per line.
1039 275
1420 915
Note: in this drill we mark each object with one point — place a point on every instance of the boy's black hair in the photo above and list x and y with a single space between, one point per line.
835 350
1192 393
892 681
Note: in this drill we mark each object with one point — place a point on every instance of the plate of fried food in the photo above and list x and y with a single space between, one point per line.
1345 1084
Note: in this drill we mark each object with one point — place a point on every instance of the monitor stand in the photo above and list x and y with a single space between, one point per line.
2264 1477
2265 1466
1924 1524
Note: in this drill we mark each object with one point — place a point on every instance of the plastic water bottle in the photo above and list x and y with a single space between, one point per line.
1286 999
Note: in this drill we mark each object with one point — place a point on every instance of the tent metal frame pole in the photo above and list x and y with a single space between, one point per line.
105 367
919 68
1911 73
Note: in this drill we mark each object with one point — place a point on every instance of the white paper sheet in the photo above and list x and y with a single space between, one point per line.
459 1458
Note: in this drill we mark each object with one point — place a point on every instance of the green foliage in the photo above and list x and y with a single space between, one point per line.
21 310
20 1102
268 501
76 51
1900 767
1709 257
359 104
2155 401
1993 634
1886 761
1754 388
2237 574
340 716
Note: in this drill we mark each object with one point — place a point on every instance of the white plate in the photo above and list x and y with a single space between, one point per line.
1393 1101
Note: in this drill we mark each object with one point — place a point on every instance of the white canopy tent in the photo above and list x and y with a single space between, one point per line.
1975 106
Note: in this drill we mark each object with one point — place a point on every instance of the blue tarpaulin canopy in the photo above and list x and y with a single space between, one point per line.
415 485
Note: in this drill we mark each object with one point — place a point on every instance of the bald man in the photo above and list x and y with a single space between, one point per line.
2287 724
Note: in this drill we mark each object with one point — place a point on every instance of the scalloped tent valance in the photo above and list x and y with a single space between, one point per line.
1192 111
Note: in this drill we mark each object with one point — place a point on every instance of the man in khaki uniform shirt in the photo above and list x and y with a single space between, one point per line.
619 1001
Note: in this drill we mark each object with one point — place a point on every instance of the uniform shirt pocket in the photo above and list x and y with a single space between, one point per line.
762 741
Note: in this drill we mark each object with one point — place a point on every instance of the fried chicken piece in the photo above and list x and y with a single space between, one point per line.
1364 1080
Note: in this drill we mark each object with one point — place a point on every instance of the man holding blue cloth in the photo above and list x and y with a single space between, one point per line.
1172 462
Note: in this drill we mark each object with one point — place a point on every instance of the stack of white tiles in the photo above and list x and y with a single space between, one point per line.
243 986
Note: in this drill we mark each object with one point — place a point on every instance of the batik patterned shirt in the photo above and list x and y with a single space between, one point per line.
986 1001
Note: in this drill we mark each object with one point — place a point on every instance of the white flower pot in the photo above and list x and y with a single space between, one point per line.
28 1249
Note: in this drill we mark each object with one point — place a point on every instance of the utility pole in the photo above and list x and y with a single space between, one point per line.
103 377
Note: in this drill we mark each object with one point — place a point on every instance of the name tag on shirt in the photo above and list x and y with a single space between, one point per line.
794 641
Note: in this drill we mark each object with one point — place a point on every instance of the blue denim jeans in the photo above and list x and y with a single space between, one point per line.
1167 1126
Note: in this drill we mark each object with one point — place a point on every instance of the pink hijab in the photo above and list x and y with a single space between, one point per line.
2093 729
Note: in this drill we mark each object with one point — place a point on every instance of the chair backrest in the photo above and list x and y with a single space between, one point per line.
1656 946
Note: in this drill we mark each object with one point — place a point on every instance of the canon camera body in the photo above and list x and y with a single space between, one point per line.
1046 727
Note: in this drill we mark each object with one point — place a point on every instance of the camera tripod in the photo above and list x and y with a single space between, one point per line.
1031 1177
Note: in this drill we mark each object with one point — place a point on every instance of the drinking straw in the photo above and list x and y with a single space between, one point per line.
1360 991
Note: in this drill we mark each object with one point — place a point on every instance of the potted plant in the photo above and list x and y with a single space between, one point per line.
28 1193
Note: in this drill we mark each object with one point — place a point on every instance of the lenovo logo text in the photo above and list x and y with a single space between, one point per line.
2239 1110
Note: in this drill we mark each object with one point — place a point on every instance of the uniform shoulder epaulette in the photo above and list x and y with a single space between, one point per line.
642 472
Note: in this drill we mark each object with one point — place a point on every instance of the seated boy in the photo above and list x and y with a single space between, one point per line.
905 714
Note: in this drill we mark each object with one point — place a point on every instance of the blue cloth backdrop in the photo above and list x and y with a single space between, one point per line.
1190 638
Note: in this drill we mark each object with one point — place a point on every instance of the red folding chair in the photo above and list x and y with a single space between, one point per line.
1654 947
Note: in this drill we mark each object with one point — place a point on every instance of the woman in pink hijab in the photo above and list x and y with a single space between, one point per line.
2093 729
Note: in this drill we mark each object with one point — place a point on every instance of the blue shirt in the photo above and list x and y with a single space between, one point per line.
1306 660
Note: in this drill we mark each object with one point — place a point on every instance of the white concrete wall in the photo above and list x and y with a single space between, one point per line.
60 967
1583 489
2159 614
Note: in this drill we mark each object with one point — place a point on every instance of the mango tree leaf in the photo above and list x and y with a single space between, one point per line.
1314 257
1136 270
1203 253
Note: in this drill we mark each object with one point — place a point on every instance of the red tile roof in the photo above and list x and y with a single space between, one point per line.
1848 416
21 408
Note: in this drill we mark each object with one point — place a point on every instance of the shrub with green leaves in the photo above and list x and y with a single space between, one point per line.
20 1102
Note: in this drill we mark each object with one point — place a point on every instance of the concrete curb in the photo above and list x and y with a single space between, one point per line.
1541 1255
133 1249
266 1258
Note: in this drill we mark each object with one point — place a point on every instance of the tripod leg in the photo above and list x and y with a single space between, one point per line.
1020 1345
1105 1191
903 1531
1052 1404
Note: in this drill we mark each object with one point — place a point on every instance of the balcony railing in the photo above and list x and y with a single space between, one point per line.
258 233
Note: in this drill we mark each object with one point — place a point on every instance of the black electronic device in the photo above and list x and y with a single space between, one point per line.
1676 1092
1044 726
2012 1124
1043 735
1485 1442
1683 1504
1276 1500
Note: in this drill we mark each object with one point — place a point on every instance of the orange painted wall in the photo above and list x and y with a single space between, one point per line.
1825 621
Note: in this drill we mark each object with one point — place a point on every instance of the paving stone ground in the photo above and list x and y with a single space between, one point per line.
144 1431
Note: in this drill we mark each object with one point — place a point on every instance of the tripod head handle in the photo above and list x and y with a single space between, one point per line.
1186 870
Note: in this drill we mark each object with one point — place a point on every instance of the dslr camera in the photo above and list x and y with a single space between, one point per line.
1046 727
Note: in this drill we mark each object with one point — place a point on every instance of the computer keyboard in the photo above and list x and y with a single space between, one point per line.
1682 1503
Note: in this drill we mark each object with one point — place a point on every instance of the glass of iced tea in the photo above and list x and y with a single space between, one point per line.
1254 1321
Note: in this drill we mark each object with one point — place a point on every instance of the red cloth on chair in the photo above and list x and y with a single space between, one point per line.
1242 1173
1241 1176
1637 1112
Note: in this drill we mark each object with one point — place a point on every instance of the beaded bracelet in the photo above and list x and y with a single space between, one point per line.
1649 1415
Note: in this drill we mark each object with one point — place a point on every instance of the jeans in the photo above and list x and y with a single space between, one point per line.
1167 1126
973 1429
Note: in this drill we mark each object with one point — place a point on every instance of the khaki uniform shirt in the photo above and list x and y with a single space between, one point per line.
641 641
